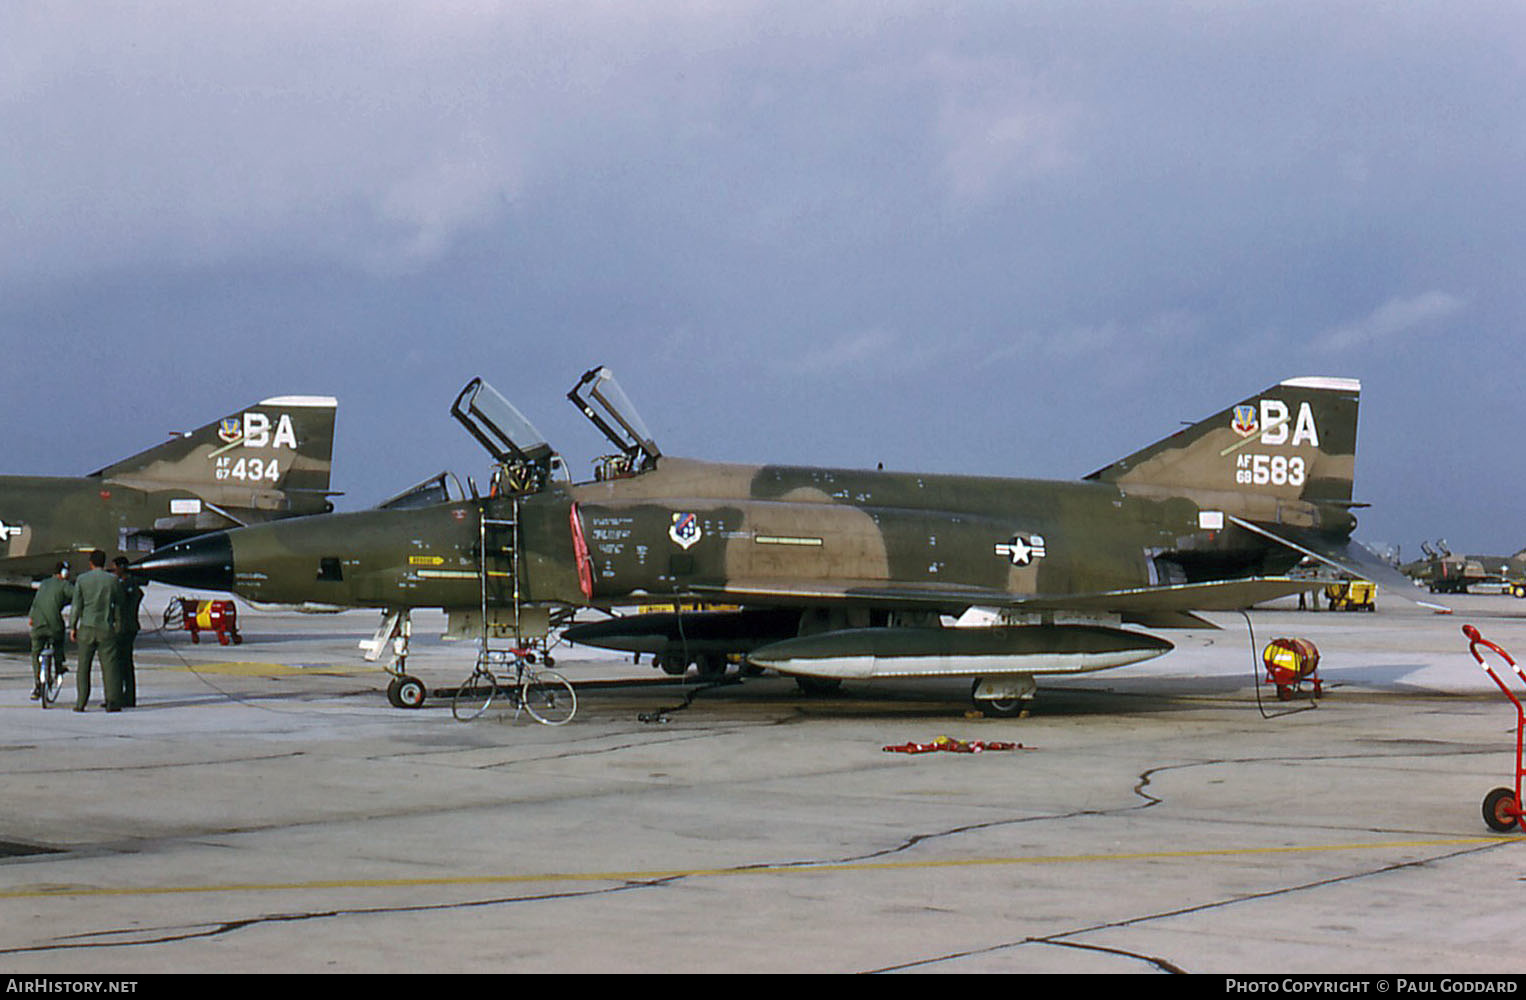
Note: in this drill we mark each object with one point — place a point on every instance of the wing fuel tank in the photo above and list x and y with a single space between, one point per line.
862 654
718 632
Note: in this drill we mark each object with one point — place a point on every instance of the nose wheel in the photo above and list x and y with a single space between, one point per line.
407 691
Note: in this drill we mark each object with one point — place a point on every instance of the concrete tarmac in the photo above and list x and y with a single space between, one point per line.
265 810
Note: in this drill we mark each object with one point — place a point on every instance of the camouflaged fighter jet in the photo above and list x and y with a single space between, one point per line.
834 573
1445 573
267 461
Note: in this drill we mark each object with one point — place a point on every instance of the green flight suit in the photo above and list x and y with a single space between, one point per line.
97 610
127 635
47 620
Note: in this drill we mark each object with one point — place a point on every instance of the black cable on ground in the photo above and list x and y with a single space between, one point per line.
661 715
1255 676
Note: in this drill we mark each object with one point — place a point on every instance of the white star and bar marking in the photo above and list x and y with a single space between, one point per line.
1022 551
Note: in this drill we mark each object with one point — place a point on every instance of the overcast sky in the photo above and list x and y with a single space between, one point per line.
1000 238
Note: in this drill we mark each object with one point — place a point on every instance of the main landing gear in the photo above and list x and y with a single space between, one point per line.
1005 697
711 666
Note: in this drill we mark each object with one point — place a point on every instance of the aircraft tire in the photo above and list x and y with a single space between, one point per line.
710 666
392 698
1497 806
1004 708
673 664
411 692
817 686
1001 708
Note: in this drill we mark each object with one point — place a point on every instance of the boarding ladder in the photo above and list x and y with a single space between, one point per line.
498 577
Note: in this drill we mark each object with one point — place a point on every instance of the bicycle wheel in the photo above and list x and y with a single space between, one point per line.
474 695
52 681
547 696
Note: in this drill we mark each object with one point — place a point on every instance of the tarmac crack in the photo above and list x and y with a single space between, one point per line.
164 766
1060 938
132 938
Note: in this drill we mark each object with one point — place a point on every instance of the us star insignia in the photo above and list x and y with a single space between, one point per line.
1022 551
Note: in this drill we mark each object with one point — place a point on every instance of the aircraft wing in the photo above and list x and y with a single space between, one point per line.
23 570
1348 556
15 597
1222 595
16 575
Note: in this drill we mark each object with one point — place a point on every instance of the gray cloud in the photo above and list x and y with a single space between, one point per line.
1397 317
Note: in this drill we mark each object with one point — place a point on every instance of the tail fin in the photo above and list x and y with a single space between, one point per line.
273 456
1295 440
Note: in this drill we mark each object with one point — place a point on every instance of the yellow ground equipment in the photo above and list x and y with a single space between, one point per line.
1351 595
218 617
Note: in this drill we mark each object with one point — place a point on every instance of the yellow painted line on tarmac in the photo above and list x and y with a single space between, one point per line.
42 891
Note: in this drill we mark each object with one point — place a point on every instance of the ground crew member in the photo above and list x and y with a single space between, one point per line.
47 621
97 608
127 631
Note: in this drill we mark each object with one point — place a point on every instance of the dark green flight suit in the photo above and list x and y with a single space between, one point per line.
47 621
97 609
127 634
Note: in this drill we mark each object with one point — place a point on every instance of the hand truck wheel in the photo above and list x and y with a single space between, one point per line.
1501 812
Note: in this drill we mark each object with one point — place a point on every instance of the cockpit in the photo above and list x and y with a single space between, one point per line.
598 397
524 462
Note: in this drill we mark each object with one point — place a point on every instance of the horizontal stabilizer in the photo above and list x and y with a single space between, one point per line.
1348 556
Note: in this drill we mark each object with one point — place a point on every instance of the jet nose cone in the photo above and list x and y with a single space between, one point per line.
203 563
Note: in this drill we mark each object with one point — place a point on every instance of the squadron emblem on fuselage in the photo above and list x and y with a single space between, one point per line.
685 530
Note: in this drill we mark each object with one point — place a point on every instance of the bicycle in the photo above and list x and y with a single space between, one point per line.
52 681
545 694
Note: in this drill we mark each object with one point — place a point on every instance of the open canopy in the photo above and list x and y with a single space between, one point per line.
599 397
500 428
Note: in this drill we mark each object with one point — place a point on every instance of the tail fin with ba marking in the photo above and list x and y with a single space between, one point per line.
271 459
1295 441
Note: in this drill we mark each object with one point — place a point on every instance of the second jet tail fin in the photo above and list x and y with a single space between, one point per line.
269 459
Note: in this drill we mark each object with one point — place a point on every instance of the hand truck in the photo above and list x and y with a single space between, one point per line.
1502 807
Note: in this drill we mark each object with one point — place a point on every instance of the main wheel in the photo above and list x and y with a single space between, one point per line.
1003 708
816 687
1500 810
549 698
474 696
1012 707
